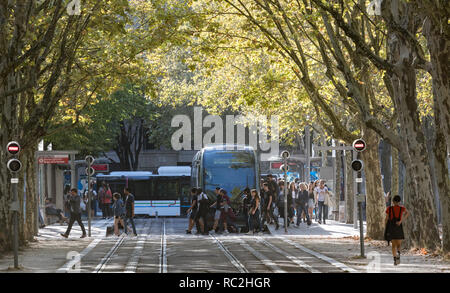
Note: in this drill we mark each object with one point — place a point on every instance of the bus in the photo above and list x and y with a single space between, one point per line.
231 167
155 194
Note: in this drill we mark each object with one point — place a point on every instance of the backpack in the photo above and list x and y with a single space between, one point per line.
202 202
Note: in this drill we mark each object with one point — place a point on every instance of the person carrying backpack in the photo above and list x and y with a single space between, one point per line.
119 213
202 211
395 215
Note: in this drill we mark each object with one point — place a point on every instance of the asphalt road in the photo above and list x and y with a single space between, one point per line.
163 247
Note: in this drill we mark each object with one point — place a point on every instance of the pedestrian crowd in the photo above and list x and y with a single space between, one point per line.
304 202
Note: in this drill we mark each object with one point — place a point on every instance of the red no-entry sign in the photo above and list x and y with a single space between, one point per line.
13 148
359 145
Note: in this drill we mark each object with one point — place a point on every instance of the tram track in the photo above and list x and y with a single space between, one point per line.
163 249
272 261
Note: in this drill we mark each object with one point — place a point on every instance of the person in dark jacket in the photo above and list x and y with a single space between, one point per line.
302 203
75 213
119 213
129 210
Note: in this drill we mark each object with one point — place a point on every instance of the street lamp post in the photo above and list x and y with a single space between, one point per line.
90 172
285 155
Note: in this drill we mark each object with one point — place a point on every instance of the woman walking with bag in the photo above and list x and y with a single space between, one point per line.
119 214
395 215
254 219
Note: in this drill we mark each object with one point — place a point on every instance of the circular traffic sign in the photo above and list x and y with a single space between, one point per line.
359 145
14 165
357 165
90 171
89 159
13 147
285 154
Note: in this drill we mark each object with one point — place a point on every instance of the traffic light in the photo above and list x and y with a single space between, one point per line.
13 165
359 145
357 165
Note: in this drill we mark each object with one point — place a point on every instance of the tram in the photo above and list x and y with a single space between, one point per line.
162 194
231 167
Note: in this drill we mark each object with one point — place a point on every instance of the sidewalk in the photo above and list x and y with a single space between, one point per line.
332 229
49 250
340 241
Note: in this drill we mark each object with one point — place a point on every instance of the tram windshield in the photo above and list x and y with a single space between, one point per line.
230 170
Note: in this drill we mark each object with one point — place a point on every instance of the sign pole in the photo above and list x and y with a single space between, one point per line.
285 195
361 229
16 225
89 160
355 191
89 200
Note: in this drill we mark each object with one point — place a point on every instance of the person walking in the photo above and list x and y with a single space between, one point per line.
119 213
311 200
129 210
218 205
254 214
75 213
202 203
322 200
267 208
316 202
395 215
108 201
246 201
105 198
192 210
292 195
93 197
302 204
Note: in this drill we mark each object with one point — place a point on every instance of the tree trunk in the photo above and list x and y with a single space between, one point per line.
349 196
437 33
375 202
443 183
420 199
386 168
395 172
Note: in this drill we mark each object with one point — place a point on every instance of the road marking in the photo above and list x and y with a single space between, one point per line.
241 268
319 255
292 258
163 256
71 263
265 260
68 265
134 260
99 268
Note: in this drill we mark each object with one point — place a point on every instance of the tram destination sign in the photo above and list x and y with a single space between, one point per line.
53 159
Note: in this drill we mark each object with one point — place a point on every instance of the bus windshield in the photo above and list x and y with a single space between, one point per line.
230 170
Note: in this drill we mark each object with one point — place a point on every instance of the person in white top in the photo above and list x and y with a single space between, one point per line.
322 195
